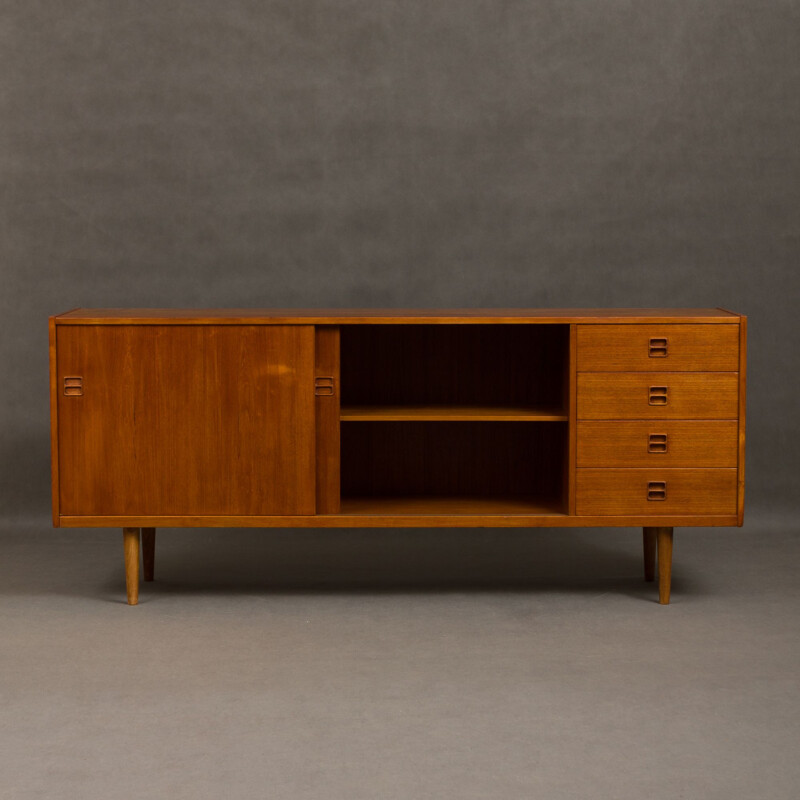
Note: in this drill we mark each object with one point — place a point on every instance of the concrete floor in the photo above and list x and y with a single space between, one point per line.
400 664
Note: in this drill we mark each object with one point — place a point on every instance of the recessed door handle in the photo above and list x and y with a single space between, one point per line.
73 386
657 490
658 347
324 387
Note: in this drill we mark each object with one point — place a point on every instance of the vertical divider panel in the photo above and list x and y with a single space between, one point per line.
327 400
572 405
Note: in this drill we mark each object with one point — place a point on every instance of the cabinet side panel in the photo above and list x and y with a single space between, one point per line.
327 400
53 420
742 396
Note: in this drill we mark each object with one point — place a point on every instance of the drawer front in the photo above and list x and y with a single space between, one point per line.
658 395
661 348
658 443
655 491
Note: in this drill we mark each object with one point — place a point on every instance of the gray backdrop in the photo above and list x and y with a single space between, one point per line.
408 153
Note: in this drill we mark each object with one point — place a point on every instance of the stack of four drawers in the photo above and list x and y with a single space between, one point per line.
658 419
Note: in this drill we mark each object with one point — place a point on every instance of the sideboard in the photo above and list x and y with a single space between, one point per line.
397 418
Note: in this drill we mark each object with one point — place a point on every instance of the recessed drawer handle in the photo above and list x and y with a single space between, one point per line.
658 347
324 387
657 443
657 490
657 395
73 386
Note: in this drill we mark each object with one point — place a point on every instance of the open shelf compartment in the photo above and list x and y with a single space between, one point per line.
511 373
455 468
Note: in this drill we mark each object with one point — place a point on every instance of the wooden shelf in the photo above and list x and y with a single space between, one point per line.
451 413
449 505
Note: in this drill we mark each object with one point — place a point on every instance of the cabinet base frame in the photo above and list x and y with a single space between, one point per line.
399 521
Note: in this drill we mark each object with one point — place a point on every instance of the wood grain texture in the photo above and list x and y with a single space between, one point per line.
493 489
664 545
625 491
130 542
691 395
327 411
437 505
149 553
394 520
54 478
387 316
689 443
742 414
452 413
649 552
689 348
187 420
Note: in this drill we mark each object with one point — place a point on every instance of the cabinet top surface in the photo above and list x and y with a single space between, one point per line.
385 316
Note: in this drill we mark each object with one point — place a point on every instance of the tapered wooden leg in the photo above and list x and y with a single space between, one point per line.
130 538
664 540
148 552
649 545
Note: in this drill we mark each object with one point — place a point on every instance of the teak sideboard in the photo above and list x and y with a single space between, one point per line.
395 418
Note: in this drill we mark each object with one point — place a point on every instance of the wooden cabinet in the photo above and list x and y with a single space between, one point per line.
166 418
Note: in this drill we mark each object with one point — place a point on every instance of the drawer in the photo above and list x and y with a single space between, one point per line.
655 491
662 348
658 395
658 443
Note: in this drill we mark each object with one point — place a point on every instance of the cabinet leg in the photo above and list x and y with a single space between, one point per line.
148 552
130 539
664 540
649 547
